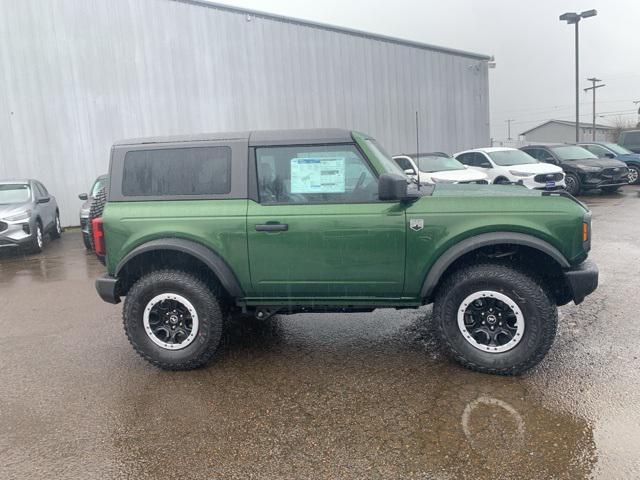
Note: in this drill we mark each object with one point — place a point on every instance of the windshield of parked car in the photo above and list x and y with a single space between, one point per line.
506 158
614 147
101 182
572 152
384 158
14 193
437 163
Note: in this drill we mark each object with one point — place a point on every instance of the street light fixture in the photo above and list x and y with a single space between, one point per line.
574 18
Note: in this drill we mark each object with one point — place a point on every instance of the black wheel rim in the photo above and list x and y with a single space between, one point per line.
491 321
170 321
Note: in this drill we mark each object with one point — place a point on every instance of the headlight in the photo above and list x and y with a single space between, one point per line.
441 180
588 168
19 216
520 174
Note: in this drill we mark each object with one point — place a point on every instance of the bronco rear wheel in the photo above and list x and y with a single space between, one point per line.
494 318
173 320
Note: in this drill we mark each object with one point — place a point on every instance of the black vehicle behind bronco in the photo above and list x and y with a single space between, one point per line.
583 169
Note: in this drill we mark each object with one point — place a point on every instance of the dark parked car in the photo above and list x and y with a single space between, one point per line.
27 212
630 140
582 168
613 150
85 225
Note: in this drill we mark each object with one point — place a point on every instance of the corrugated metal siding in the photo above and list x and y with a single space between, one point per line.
78 74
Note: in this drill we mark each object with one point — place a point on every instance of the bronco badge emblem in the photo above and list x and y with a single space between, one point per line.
416 224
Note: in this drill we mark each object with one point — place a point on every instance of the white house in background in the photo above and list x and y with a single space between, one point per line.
563 131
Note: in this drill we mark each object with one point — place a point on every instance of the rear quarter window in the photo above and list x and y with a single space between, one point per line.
177 172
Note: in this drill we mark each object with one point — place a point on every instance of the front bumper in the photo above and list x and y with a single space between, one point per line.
582 280
597 180
15 234
107 288
84 225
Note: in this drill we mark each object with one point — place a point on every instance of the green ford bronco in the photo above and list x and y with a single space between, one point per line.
275 222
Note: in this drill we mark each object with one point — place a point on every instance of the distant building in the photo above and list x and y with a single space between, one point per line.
563 131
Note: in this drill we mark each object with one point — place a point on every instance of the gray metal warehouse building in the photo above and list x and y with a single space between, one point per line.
79 74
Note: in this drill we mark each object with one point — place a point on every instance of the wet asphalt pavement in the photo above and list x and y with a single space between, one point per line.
315 396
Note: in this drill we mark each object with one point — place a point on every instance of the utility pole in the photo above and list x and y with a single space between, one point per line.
636 102
593 87
509 128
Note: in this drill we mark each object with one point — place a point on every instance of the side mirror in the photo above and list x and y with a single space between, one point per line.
609 155
410 171
83 196
485 165
392 186
43 200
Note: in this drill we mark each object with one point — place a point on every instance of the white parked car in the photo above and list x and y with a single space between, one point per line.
438 168
512 166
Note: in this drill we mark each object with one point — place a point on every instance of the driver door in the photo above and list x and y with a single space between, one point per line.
318 229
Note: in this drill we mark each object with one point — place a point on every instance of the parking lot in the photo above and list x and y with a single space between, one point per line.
315 396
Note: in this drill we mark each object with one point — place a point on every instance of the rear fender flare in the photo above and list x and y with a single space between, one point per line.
207 256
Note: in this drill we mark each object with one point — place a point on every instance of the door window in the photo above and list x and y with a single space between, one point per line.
314 174
404 163
479 160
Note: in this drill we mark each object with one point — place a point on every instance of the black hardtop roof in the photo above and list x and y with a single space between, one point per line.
255 138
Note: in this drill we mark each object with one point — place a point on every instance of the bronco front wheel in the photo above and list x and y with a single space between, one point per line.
173 320
495 318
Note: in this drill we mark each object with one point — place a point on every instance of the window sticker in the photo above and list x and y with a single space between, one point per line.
317 175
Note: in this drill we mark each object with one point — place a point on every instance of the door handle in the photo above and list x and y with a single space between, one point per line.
272 227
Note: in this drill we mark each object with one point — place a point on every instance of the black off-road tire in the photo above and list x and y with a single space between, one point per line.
573 184
538 309
210 318
608 190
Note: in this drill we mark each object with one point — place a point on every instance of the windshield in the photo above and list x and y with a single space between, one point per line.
435 163
14 193
506 158
383 157
572 152
614 147
101 182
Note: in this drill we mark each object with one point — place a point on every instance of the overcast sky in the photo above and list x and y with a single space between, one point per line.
534 77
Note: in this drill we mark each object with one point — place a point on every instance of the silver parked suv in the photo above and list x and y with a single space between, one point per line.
27 212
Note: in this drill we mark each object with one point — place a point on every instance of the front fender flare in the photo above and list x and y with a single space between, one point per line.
207 256
478 241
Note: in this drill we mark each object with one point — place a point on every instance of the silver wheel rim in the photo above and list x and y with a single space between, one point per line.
633 175
58 227
167 318
490 321
571 184
39 236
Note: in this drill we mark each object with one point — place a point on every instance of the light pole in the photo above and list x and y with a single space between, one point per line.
509 128
574 18
593 87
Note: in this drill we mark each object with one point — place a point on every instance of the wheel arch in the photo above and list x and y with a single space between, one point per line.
180 249
479 242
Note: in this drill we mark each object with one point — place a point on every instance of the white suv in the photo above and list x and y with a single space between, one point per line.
438 168
512 166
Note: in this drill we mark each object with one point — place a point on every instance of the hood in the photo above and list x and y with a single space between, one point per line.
596 162
475 190
629 157
7 210
462 175
535 168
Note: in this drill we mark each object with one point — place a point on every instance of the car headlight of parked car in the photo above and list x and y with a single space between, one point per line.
520 174
19 216
442 180
590 169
